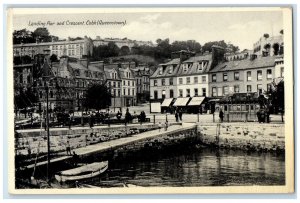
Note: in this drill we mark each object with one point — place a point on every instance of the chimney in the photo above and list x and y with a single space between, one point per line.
217 55
98 38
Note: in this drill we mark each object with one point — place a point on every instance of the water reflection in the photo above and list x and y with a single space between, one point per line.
202 167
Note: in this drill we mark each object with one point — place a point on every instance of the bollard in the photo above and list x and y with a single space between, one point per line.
154 119
213 117
166 117
198 117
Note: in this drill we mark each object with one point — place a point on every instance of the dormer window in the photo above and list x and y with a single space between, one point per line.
170 70
161 71
185 67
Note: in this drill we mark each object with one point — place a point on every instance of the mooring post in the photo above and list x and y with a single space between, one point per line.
198 117
154 119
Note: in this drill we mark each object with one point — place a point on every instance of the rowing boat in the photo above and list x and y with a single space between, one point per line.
82 172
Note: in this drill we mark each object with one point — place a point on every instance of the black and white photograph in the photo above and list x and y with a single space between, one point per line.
150 100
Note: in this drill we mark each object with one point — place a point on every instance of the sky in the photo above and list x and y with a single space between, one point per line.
241 28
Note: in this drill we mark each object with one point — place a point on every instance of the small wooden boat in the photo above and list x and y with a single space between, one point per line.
82 172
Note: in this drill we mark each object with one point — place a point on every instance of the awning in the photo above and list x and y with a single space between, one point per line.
196 101
214 100
181 101
167 102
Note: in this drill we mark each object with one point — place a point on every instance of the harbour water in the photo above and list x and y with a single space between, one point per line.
194 167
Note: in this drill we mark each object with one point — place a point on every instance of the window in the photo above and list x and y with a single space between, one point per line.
163 94
114 94
133 92
269 74
259 75
125 83
114 84
132 83
259 89
225 77
155 82
204 92
204 79
214 77
196 92
180 93
128 82
188 80
225 90
41 94
281 72
119 93
124 91
249 88
236 76
249 76
171 81
195 80
214 91
180 81
128 91
171 93
155 94
236 88
188 92
163 82
219 92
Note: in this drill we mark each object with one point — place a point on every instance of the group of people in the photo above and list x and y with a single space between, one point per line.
178 115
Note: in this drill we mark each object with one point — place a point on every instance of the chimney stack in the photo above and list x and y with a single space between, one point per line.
217 55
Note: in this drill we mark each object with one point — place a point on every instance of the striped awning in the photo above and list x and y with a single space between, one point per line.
181 101
167 102
196 101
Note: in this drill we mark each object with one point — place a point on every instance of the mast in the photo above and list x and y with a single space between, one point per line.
48 134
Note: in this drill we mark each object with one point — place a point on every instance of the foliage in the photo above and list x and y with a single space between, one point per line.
276 95
53 58
281 32
97 97
266 35
208 46
25 99
40 34
22 60
105 51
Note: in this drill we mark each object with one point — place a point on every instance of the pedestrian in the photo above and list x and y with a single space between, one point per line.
166 125
70 121
127 116
159 126
119 115
180 115
176 116
221 115
75 158
68 148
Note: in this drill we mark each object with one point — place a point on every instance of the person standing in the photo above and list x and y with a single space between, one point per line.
176 116
166 125
68 148
221 115
180 114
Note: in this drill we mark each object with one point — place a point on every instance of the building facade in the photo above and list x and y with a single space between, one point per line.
142 77
71 48
269 46
249 74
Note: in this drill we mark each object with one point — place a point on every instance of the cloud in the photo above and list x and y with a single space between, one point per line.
150 18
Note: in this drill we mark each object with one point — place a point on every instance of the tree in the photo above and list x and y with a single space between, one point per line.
281 32
23 36
97 97
266 35
276 95
25 99
208 46
53 58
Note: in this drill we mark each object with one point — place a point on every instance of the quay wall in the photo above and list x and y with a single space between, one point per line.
29 142
245 136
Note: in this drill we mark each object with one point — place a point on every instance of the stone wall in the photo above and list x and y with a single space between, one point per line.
246 136
31 142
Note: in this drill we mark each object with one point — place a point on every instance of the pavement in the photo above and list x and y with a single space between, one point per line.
103 146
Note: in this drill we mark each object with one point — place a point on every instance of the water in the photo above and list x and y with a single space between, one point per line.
194 167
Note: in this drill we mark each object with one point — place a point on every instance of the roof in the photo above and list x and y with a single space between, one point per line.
259 62
122 73
194 67
166 73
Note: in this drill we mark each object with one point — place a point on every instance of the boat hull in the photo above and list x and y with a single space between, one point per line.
75 174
